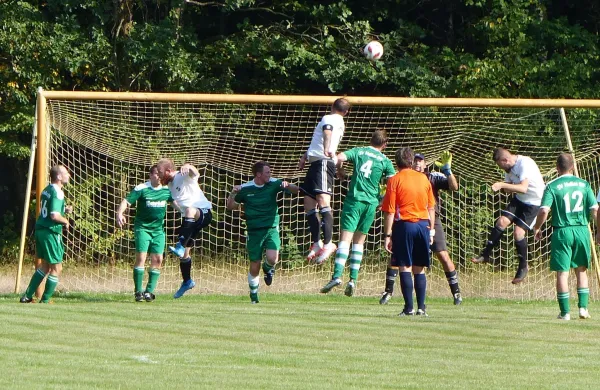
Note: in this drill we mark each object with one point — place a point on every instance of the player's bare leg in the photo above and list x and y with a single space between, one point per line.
268 266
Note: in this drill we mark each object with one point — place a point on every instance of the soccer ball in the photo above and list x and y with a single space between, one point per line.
373 51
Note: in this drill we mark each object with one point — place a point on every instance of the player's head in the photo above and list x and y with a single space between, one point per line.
404 158
153 176
59 174
504 159
262 172
564 163
379 139
340 106
419 162
165 169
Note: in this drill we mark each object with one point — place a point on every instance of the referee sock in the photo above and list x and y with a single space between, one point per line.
420 290
153 276
185 265
186 230
521 247
355 260
563 302
493 240
36 279
314 225
327 222
583 293
406 285
390 279
51 283
138 278
340 259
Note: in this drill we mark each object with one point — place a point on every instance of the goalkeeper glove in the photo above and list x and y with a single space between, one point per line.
445 163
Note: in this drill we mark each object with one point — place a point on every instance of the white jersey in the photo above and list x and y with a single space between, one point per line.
526 168
333 122
187 193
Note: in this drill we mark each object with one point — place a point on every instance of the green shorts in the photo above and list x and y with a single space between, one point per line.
570 248
260 239
358 216
149 241
49 246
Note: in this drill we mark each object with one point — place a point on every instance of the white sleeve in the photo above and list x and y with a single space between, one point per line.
528 169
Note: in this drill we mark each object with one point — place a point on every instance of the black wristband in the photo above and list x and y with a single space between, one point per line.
388 235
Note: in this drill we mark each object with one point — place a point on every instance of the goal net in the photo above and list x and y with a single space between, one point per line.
109 145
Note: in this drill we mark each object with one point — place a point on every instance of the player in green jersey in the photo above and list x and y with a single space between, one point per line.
360 205
151 200
572 203
259 197
48 235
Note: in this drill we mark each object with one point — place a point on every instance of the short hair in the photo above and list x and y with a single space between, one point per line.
404 157
565 162
55 171
499 152
166 163
259 166
341 105
153 168
379 138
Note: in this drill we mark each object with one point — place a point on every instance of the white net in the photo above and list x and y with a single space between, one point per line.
109 146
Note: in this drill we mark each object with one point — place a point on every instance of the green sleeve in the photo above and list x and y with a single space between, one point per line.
240 196
133 196
389 170
350 155
56 205
547 198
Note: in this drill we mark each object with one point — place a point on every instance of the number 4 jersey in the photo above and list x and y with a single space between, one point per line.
52 201
570 199
370 166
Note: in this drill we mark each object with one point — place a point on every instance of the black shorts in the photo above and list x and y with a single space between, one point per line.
201 223
521 214
319 178
439 240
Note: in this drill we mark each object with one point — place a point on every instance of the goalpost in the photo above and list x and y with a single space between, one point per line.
109 140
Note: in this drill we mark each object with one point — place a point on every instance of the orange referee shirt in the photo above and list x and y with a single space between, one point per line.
408 196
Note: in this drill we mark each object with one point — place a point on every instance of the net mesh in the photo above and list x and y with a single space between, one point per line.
109 146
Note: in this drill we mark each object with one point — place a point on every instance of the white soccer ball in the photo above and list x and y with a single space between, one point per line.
373 51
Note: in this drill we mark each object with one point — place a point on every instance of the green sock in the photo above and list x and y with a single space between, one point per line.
583 294
153 276
138 278
36 280
563 302
340 259
253 283
51 284
355 259
266 267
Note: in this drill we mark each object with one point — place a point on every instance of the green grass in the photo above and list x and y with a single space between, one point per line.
291 342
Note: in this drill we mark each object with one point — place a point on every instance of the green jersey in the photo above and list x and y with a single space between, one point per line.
570 199
151 207
260 203
370 165
52 201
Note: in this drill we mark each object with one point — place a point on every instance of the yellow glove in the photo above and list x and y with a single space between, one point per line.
445 163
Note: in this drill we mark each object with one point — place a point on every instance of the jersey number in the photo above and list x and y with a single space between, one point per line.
366 168
44 210
578 197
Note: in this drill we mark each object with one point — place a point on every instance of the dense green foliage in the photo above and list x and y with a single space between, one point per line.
504 48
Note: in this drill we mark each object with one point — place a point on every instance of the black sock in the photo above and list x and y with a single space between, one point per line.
390 279
493 240
420 290
186 230
185 265
314 225
521 246
452 278
406 285
327 222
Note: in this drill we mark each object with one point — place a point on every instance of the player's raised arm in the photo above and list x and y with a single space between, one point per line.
190 170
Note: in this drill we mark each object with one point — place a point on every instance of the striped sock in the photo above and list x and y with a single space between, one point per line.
253 282
563 302
138 278
153 276
355 259
51 284
583 293
340 259
36 280
266 267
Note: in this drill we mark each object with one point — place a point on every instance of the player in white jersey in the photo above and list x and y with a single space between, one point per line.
318 183
524 179
195 209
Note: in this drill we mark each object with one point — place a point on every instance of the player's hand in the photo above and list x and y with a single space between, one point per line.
236 189
497 186
121 220
445 163
284 184
66 226
302 162
537 234
328 154
185 169
341 173
68 209
388 244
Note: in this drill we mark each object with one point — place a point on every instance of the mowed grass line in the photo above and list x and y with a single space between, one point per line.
291 342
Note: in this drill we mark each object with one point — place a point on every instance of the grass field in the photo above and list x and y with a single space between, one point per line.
292 342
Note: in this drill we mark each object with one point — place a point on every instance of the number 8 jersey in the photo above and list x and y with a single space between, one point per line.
52 201
570 199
